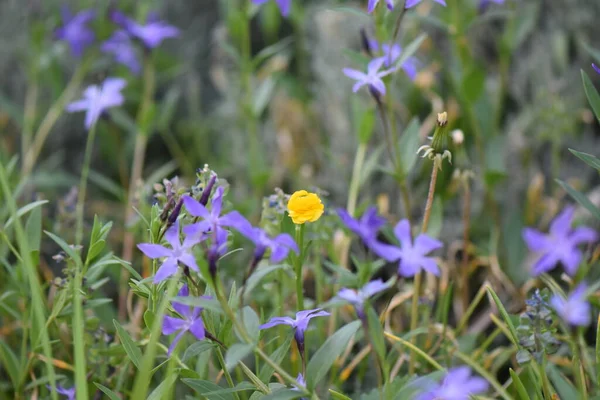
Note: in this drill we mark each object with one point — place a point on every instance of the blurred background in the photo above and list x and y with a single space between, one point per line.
264 102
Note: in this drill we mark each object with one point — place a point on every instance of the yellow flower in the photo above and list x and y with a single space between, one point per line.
305 207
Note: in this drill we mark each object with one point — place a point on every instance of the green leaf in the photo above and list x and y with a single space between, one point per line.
587 158
408 145
410 50
196 349
321 362
24 210
10 363
251 322
203 387
236 353
262 96
511 327
66 248
364 120
33 229
338 395
283 394
134 353
473 84
207 304
592 94
564 388
518 386
111 395
259 274
277 356
162 389
376 333
580 198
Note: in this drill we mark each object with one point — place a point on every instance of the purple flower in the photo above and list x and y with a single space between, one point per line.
373 3
372 78
393 53
217 249
75 30
300 324
596 68
191 321
180 252
358 298
70 393
458 384
151 34
285 6
366 228
212 220
123 50
412 3
97 98
279 245
560 244
413 256
575 310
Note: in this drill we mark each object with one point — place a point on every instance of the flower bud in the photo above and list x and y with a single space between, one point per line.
206 193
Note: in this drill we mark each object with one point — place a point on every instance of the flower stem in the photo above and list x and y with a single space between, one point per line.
464 270
298 261
226 371
85 170
430 195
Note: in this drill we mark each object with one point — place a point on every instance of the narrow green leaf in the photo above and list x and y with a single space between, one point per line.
24 210
207 304
251 322
196 349
511 327
33 229
111 395
258 276
10 363
338 395
203 387
321 362
134 353
518 386
408 145
66 248
161 390
277 356
580 198
564 388
236 353
591 93
284 394
376 334
410 50
587 158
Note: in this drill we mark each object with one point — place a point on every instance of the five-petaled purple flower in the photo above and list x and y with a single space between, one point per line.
373 3
191 321
366 228
300 324
358 298
393 53
279 245
412 256
596 68
75 30
97 98
151 34
575 310
372 78
458 384
123 50
211 220
412 3
70 393
180 252
285 6
560 244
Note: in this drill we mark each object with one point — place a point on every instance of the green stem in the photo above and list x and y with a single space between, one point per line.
85 170
226 371
298 261
359 160
78 337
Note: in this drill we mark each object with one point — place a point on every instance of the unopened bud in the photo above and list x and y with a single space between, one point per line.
458 137
442 118
207 190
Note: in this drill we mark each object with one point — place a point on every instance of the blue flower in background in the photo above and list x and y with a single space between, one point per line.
412 3
123 50
151 34
98 98
575 310
391 53
279 245
300 324
75 30
373 3
560 244
358 298
372 78
285 6
458 384
596 68
191 321
70 393
366 228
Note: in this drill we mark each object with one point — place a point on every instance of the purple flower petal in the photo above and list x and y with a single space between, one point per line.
172 236
172 325
285 6
596 68
562 223
154 250
175 341
411 3
425 244
190 261
168 268
217 202
197 329
354 74
278 321
373 287
402 232
535 240
350 295
583 234
195 208
545 263
371 5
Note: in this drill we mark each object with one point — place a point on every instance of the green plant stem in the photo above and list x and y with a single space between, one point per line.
298 261
226 371
29 115
35 290
359 161
464 270
50 119
78 337
85 170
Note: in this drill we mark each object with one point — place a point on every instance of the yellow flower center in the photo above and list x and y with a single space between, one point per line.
305 207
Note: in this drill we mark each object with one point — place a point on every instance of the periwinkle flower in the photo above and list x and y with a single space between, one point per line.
191 321
358 298
372 78
70 392
211 220
574 310
373 3
560 244
217 249
98 98
123 50
412 255
483 4
75 30
412 3
279 245
391 53
300 324
151 34
458 384
180 252
596 68
366 228
285 6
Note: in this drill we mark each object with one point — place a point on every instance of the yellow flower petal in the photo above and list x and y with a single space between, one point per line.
305 207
